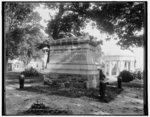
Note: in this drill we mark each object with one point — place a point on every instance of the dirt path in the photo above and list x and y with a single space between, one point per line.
129 102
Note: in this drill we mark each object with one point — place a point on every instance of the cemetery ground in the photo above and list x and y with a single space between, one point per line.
128 101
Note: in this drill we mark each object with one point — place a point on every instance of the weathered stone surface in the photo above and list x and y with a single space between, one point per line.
47 81
73 57
72 80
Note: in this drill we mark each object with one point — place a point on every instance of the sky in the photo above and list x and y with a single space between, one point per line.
107 47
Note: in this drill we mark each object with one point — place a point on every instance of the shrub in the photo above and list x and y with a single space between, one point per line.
126 76
138 75
30 72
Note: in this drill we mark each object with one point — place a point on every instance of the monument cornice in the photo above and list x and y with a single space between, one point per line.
76 41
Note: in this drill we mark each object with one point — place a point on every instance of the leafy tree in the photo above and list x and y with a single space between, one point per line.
14 16
22 30
124 19
28 47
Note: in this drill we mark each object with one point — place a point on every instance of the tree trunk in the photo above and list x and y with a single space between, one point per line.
48 58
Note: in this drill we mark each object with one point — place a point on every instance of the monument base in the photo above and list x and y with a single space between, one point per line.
73 80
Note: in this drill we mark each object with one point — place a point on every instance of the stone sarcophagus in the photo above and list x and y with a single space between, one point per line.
75 57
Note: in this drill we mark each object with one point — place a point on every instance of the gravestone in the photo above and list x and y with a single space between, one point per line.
74 56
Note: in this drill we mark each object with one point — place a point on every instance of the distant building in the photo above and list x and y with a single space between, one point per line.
37 63
15 65
117 62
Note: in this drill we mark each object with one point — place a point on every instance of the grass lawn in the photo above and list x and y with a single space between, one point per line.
128 101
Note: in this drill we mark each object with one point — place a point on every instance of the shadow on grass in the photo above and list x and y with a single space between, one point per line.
28 80
111 92
11 82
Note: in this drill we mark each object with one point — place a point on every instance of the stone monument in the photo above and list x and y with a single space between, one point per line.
74 56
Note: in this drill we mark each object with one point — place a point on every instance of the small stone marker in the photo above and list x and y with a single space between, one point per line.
21 81
119 82
102 89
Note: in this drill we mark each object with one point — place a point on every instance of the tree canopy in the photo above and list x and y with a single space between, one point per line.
22 27
22 30
122 18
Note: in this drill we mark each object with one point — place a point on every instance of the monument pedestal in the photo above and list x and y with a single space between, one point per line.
74 57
